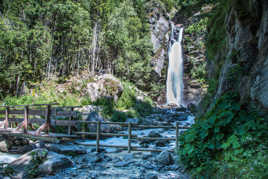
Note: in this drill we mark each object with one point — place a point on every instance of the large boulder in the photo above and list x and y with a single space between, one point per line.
37 162
4 146
104 86
15 145
165 158
66 149
54 162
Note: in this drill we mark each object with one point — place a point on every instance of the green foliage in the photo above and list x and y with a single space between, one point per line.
128 44
119 116
44 38
128 103
190 7
216 39
228 141
107 104
128 99
199 27
37 159
8 171
47 95
38 38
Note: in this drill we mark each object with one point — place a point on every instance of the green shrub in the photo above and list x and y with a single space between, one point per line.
85 101
228 141
143 108
107 105
128 101
128 98
198 27
119 116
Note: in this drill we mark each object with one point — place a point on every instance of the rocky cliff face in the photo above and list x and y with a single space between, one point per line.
194 54
160 26
238 53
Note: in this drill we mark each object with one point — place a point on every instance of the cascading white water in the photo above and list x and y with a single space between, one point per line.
175 68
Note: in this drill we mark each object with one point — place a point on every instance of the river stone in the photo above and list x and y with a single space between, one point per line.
15 145
128 157
27 163
151 176
165 158
154 134
4 146
54 162
122 163
146 156
148 165
66 149
21 149
161 143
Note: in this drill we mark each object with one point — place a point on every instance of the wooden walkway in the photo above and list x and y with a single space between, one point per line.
38 121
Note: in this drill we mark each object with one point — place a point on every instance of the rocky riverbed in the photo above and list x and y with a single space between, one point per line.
75 160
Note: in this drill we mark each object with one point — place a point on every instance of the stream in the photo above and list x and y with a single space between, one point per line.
117 163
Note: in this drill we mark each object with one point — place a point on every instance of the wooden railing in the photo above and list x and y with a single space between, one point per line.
42 115
130 136
50 113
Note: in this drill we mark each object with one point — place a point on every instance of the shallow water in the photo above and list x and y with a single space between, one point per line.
8 158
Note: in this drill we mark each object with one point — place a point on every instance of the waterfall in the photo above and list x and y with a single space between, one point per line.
175 67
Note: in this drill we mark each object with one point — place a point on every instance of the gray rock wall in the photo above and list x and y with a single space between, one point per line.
243 63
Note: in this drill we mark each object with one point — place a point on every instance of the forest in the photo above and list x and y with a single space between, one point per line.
45 38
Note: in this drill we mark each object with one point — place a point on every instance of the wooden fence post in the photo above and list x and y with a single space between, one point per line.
48 117
177 136
98 136
6 118
26 119
129 137
70 118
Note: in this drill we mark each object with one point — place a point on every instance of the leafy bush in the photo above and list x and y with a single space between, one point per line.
119 116
198 27
128 98
228 141
128 101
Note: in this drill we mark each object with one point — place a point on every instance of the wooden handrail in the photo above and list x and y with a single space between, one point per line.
11 106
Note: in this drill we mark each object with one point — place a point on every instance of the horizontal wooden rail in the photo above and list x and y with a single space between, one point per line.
41 112
61 136
63 123
103 134
41 121
64 113
12 106
150 150
133 148
135 125
61 107
153 127
152 138
18 120
109 123
31 112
